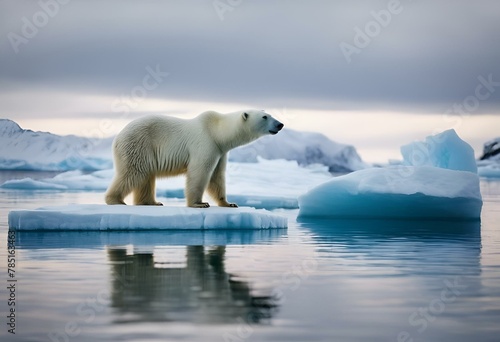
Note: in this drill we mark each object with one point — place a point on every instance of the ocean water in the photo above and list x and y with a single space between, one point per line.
336 280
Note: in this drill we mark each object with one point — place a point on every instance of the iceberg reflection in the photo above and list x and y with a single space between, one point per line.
96 239
402 244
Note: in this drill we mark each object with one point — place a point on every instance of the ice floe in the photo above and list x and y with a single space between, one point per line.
437 180
120 217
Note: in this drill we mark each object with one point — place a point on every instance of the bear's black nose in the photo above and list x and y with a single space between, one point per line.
280 126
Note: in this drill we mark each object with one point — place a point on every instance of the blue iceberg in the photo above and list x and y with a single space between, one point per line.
437 180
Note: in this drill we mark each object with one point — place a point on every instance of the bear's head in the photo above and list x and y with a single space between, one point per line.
261 123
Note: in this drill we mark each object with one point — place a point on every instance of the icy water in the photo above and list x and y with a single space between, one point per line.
341 280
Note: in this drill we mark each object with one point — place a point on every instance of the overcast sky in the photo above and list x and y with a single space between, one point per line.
322 61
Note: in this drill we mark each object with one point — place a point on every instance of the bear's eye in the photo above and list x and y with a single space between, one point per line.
265 117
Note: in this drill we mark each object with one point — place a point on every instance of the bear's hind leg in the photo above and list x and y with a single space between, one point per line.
117 191
145 193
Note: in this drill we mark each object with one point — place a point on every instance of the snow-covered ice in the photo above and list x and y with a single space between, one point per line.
488 169
31 184
266 184
437 180
489 164
119 217
69 180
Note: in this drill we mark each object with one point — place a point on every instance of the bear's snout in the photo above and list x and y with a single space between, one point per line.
277 127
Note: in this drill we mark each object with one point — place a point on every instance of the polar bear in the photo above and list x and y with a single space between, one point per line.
159 146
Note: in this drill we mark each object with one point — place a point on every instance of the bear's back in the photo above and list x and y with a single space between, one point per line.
153 128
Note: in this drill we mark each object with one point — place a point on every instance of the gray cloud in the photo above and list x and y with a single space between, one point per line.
266 53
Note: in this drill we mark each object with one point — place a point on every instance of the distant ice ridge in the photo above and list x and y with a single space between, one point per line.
24 149
488 169
266 184
27 150
120 217
69 180
491 150
305 147
489 163
437 180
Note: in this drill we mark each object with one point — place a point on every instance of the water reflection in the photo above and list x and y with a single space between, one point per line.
424 229
197 289
402 244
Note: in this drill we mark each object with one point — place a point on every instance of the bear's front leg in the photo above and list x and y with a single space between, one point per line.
196 182
217 184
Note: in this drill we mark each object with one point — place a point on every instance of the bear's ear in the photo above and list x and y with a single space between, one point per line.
245 116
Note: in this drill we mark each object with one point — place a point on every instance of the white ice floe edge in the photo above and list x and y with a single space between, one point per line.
103 217
487 169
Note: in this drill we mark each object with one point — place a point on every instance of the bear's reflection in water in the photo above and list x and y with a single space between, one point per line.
200 291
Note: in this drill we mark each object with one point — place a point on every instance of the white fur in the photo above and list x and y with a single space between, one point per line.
155 146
